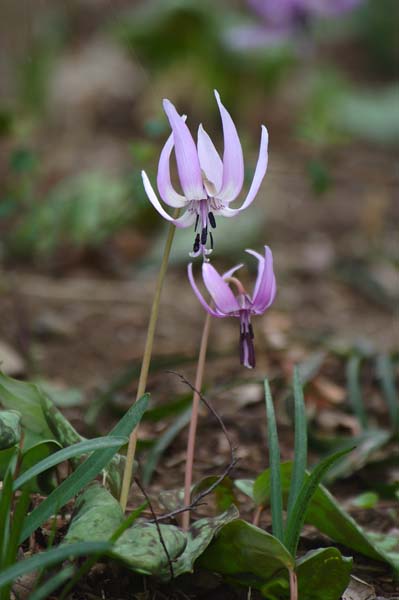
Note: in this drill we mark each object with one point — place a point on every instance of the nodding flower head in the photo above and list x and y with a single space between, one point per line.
239 303
208 183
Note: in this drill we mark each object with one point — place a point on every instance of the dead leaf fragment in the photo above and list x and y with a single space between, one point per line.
359 590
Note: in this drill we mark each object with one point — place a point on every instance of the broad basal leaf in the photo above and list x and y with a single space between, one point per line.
241 548
326 514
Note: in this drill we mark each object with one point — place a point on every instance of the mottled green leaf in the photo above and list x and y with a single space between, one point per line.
199 536
97 515
10 428
26 398
141 549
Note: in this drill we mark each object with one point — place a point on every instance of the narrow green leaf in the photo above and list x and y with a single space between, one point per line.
50 586
162 444
85 472
354 389
51 557
20 511
5 511
386 375
67 453
11 548
308 489
274 459
301 442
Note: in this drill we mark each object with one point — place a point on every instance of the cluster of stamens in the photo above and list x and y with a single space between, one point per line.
201 239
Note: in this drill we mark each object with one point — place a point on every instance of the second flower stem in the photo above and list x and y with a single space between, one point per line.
188 478
145 365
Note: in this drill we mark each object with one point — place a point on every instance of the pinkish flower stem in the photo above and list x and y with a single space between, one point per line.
257 514
188 477
145 365
293 585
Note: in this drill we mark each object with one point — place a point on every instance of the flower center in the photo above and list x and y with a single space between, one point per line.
205 220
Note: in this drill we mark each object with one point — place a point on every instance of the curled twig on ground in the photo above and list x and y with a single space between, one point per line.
233 459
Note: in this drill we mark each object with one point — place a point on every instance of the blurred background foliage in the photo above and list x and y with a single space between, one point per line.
81 113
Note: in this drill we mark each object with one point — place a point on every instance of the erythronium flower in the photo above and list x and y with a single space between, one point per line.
282 21
239 304
208 183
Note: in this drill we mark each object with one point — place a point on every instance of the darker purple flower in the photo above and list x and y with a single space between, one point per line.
281 20
282 13
209 184
239 304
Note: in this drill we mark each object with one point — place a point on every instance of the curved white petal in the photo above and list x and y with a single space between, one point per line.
261 266
166 190
264 294
188 165
185 220
259 174
210 161
233 161
200 297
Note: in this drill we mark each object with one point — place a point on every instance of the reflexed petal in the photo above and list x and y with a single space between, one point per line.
167 193
210 161
260 170
185 220
199 295
259 174
232 271
261 265
233 161
265 284
222 295
188 165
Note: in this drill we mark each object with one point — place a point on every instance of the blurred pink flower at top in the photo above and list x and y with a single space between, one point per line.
282 19
209 184
290 12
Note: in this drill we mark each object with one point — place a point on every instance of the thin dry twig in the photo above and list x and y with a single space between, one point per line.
233 459
155 520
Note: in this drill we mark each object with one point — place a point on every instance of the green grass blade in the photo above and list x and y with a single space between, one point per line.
5 513
354 389
301 443
67 453
20 511
46 589
51 557
85 472
276 500
11 549
386 375
162 444
298 511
